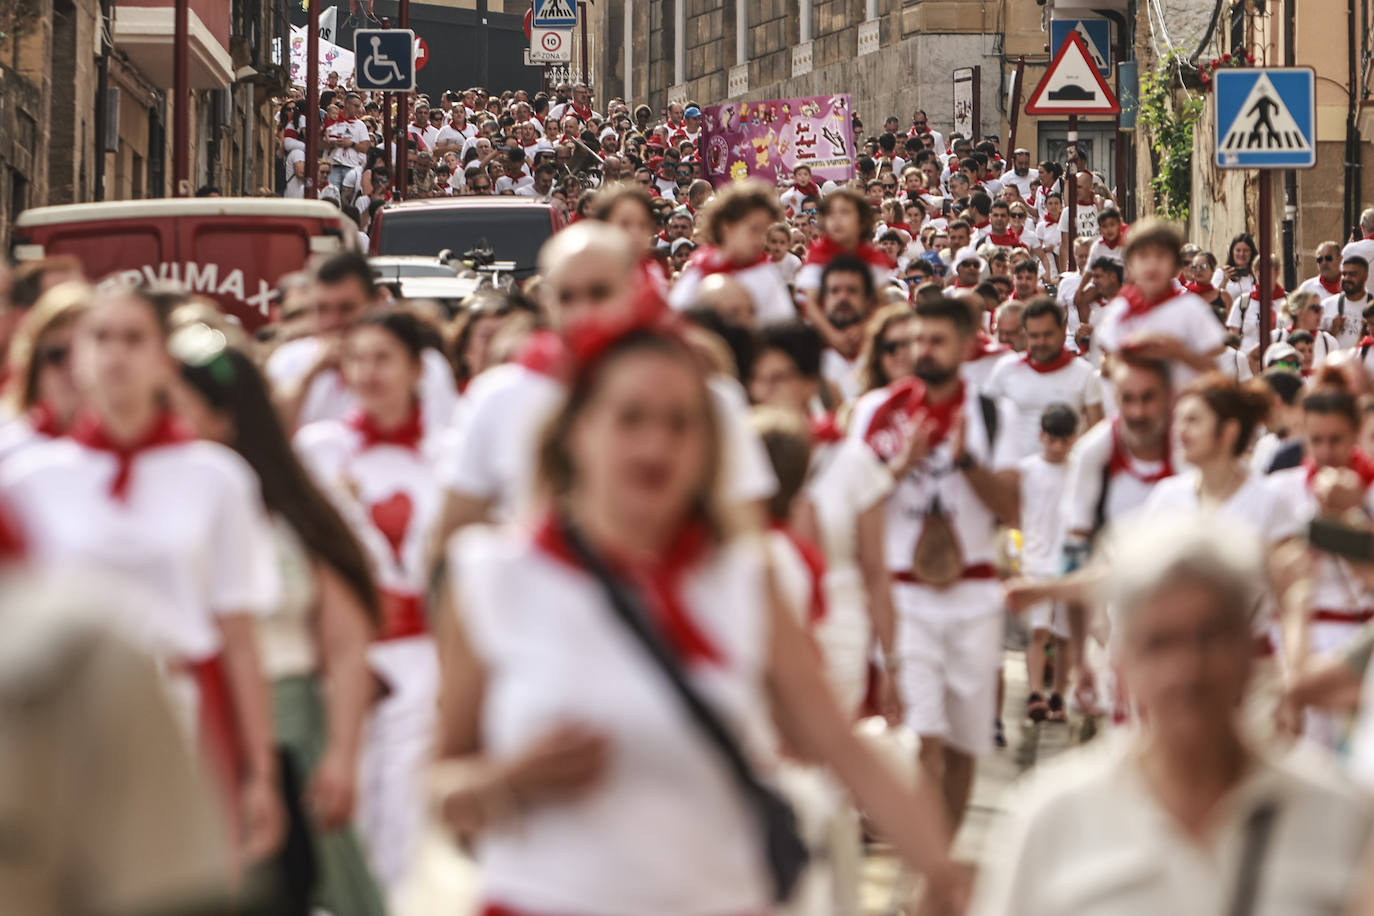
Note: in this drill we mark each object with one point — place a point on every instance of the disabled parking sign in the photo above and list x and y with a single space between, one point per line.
385 59
1266 118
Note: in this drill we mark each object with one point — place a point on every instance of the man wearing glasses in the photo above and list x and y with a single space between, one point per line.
1327 282
920 124
479 184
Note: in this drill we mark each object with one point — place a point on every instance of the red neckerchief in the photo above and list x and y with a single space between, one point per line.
43 420
1059 362
1199 289
814 560
889 428
1359 462
1008 240
166 429
544 354
808 190
1120 240
582 111
1136 303
1048 220
984 346
709 261
903 227
1333 289
1120 461
407 435
1279 293
825 431
825 249
662 583
663 236
674 125
983 225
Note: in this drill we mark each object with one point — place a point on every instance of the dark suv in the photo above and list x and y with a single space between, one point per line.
514 228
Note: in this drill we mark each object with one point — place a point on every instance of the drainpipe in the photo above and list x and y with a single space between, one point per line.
102 90
1290 176
1352 138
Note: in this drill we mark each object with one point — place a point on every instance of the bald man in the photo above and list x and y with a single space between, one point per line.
589 272
728 297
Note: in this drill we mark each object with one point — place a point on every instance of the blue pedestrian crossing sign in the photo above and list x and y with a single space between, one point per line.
385 59
1096 34
1266 118
555 14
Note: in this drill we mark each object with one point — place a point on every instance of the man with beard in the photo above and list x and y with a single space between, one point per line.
1343 311
1020 174
848 296
951 460
1048 373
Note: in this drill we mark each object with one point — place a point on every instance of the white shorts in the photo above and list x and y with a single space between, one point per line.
1049 615
948 676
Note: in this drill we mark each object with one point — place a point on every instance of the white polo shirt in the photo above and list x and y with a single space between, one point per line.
1184 315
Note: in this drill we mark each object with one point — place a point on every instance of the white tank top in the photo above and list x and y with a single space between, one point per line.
667 831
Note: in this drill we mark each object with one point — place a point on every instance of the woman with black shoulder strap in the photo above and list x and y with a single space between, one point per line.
616 678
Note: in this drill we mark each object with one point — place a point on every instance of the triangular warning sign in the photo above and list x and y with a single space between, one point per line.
1263 124
1072 85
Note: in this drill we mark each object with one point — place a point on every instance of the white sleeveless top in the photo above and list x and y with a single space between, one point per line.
667 831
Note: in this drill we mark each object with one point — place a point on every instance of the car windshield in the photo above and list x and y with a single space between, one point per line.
513 233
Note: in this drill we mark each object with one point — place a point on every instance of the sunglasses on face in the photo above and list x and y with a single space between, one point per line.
481 187
893 347
1325 258
810 211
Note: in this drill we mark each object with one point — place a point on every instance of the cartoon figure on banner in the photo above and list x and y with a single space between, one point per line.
786 113
739 171
837 144
761 148
809 108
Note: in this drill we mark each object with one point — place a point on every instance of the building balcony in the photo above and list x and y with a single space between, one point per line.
145 31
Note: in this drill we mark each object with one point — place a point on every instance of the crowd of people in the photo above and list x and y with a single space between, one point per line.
601 575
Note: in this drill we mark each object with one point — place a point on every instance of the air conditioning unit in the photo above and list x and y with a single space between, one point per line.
110 142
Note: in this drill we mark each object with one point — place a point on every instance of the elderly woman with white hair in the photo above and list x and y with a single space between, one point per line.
1182 814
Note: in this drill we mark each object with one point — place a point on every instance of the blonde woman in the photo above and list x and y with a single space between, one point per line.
42 398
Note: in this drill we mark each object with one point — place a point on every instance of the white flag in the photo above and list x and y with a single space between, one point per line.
329 23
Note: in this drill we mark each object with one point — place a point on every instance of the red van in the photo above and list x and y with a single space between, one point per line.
231 249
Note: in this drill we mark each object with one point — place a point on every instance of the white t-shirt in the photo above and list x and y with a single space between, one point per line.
451 134
1353 309
1029 392
1184 316
1042 530
295 187
1115 252
1024 184
190 538
1259 504
788 267
1086 217
1128 487
772 301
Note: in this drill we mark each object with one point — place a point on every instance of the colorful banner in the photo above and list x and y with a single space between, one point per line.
332 57
768 139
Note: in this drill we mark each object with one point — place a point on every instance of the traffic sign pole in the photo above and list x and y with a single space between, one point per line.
403 128
312 102
1071 192
387 134
1266 271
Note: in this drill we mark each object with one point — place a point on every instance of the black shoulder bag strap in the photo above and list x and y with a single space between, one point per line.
1100 510
1259 829
989 407
785 852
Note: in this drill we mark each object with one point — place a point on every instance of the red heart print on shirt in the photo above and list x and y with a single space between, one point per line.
392 518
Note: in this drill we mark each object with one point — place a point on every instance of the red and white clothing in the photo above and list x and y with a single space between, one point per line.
1101 457
1179 314
330 399
554 652
179 524
1008 239
386 486
1319 286
949 639
1029 387
1104 249
792 198
349 129
824 250
988 354
1244 317
772 301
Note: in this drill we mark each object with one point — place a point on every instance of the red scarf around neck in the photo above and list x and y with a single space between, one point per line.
825 249
906 403
408 435
1279 293
1333 288
661 582
90 431
814 561
1136 303
1064 358
1120 461
709 261
43 420
1007 240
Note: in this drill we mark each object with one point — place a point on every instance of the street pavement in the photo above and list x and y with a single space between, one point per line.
1026 744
